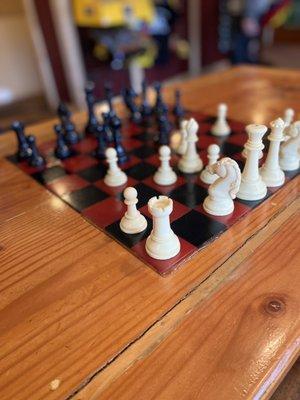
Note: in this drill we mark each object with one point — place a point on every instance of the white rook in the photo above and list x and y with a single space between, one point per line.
162 243
271 172
252 186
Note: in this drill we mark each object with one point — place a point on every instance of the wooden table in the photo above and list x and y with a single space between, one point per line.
82 318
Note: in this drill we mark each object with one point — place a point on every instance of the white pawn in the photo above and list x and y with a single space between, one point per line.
181 149
289 150
165 174
222 192
221 127
252 186
190 161
206 176
114 175
289 114
162 243
133 221
271 172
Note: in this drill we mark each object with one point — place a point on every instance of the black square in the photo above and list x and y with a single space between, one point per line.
145 193
228 149
126 239
83 198
49 174
146 136
144 151
190 194
197 228
93 174
141 171
254 203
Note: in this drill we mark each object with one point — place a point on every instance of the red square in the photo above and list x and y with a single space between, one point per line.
133 160
67 184
47 148
114 191
239 139
78 163
130 144
228 220
106 212
28 169
130 129
178 211
164 189
164 267
205 141
86 145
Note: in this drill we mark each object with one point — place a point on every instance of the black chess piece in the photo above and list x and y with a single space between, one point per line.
24 150
178 110
146 109
35 160
108 97
101 136
61 150
106 123
115 124
164 128
92 122
65 114
129 97
159 103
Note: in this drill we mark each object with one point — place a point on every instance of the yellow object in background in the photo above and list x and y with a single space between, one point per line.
110 13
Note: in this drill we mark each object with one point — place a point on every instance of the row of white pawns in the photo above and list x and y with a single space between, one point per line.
224 176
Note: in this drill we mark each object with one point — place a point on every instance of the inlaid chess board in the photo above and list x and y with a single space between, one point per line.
78 181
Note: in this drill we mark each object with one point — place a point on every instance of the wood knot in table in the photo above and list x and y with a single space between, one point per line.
274 306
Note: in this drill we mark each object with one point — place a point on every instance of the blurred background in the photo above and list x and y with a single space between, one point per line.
50 48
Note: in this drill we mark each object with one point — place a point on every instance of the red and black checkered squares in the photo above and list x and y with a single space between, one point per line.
79 182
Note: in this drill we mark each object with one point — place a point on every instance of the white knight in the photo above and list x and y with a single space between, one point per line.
289 150
222 192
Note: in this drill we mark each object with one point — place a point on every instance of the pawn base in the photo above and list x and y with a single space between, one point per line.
220 207
114 180
162 249
133 225
165 178
272 178
289 165
190 167
223 130
252 190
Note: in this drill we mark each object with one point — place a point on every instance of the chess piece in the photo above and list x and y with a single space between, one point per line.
24 150
162 243
92 122
129 97
114 175
115 124
252 186
271 172
190 161
100 133
165 175
178 110
213 154
181 149
164 129
61 150
133 221
289 114
289 149
221 127
222 192
35 160
109 96
71 136
145 109
160 106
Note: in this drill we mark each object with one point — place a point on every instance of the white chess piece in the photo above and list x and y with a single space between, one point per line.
114 175
271 172
165 174
289 150
252 186
181 149
190 161
213 154
133 221
221 127
162 243
222 192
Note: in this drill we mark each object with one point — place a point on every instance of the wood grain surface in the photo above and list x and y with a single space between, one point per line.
73 301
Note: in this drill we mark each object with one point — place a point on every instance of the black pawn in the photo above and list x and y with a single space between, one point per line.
117 138
129 97
35 160
92 122
106 123
146 109
178 110
65 117
101 136
61 151
159 104
24 150
164 128
109 96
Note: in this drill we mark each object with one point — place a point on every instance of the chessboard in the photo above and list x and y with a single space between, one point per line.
78 181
